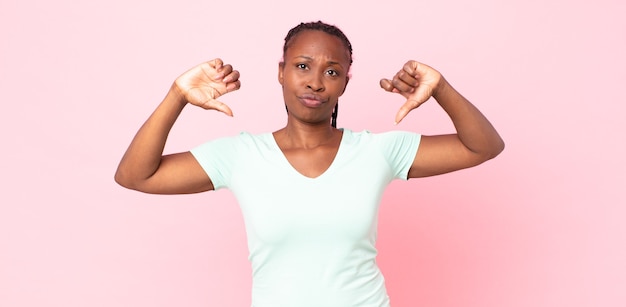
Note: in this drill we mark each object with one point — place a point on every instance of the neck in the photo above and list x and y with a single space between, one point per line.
305 135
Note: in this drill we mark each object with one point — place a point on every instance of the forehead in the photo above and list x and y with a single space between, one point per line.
317 43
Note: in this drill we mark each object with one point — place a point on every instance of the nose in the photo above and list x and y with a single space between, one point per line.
316 84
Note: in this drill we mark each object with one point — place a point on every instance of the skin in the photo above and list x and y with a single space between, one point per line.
313 77
314 68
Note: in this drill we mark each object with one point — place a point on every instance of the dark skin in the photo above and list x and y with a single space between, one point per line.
313 77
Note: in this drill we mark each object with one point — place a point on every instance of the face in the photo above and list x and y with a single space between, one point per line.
314 75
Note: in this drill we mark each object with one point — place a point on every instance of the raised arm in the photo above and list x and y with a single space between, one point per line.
476 140
144 167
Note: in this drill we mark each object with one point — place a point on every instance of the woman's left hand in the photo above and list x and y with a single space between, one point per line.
417 82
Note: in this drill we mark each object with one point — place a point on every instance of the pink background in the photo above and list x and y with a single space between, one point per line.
541 225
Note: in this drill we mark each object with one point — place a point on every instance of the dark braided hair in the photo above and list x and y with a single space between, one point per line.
317 26
328 29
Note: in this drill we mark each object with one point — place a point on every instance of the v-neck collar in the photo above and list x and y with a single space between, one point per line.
345 135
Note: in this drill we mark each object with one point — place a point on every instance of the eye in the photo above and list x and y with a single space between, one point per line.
301 66
332 73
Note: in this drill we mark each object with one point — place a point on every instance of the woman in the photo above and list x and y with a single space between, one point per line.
309 192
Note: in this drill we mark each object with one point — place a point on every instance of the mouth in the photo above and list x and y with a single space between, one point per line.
311 100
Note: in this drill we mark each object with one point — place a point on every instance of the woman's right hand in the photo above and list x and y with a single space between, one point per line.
203 84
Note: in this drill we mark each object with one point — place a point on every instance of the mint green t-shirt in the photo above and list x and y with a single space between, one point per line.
311 240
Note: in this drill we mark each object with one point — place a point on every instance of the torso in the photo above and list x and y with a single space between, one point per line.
310 162
311 240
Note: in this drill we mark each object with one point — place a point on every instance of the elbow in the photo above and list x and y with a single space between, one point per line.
489 152
496 148
119 179
128 179
124 180
501 146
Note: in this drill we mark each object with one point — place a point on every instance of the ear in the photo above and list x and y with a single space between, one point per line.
281 67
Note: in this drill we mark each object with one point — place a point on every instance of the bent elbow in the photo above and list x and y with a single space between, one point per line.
124 180
119 179
496 149
489 152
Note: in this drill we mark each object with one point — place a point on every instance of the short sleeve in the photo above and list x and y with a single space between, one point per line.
216 158
399 149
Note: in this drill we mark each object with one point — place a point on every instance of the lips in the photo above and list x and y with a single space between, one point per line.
311 100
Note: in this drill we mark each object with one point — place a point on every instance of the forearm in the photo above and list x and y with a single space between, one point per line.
144 154
473 129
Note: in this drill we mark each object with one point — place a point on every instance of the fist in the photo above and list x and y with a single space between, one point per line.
203 84
416 82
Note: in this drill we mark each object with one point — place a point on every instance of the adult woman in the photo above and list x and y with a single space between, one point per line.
309 192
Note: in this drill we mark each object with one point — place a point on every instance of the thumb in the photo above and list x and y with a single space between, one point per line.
221 107
201 99
407 107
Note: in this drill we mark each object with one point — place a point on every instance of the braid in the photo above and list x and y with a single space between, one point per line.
333 120
328 29
317 26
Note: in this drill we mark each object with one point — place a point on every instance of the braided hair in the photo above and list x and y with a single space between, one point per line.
328 29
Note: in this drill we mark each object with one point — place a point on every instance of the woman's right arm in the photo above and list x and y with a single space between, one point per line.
144 167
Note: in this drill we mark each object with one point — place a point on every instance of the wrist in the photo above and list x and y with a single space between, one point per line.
175 95
441 89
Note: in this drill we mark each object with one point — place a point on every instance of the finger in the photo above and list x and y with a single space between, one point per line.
233 86
226 69
405 109
411 67
216 66
216 63
402 86
222 107
213 104
204 100
231 76
387 85
408 78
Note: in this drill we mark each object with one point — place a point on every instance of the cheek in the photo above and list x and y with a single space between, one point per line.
339 88
290 84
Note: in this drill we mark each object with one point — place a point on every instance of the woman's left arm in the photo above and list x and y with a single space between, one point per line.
475 141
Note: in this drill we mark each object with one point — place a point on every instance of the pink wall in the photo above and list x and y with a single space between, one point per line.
541 225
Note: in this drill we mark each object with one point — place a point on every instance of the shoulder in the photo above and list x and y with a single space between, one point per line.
351 136
387 143
394 136
221 157
395 149
231 145
242 138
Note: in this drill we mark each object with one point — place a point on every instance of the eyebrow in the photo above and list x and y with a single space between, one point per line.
311 59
